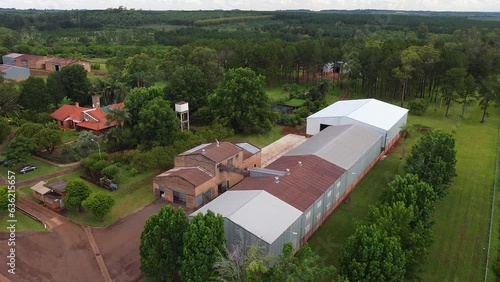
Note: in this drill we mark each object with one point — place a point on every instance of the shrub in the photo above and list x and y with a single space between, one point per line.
418 106
95 66
110 171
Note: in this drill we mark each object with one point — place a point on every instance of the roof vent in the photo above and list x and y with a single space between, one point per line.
287 171
217 142
299 163
276 179
203 151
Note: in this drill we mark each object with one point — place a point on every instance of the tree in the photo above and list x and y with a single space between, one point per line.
5 199
8 99
4 129
162 244
203 241
29 130
188 83
76 84
137 98
55 88
85 144
33 95
453 84
49 138
171 61
489 91
433 160
405 131
158 123
120 116
305 266
99 204
76 192
206 59
240 99
468 95
140 70
20 148
413 193
372 255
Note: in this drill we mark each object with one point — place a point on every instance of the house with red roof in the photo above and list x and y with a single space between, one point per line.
83 118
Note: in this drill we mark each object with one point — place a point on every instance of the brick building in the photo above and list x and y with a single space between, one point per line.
206 171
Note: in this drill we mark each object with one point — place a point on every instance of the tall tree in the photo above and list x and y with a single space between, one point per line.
33 95
49 138
372 255
468 95
29 129
240 99
188 83
206 59
4 129
137 99
9 96
172 59
55 88
76 84
5 199
203 241
140 70
433 160
405 132
76 192
20 148
120 116
489 92
453 84
158 123
162 244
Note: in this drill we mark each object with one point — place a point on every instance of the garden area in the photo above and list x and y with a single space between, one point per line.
462 216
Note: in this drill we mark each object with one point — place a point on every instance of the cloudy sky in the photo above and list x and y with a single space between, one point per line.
434 5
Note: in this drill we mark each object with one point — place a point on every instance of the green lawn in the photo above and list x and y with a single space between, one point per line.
462 217
134 193
43 168
70 135
260 140
23 223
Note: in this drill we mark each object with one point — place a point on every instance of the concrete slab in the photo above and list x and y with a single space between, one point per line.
280 147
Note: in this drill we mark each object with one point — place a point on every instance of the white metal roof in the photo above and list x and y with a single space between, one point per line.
257 211
370 111
40 188
13 55
249 147
201 146
342 145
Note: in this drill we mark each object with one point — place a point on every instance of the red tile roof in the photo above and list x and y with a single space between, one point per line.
303 186
193 175
118 105
98 122
69 111
217 153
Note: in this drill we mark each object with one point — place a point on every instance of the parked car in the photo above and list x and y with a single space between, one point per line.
108 184
27 168
10 162
1 161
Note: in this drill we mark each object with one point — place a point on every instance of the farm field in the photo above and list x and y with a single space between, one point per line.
462 217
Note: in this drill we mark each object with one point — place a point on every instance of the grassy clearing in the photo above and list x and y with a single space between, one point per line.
69 135
462 217
134 193
495 235
260 140
42 168
23 223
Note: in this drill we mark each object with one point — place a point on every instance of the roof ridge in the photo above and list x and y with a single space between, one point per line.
204 170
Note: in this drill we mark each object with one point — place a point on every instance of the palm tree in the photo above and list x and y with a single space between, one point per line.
404 132
8 99
119 115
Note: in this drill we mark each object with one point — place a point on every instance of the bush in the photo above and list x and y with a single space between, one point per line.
110 171
95 66
418 106
143 161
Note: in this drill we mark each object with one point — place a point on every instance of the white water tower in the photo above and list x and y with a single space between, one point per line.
182 110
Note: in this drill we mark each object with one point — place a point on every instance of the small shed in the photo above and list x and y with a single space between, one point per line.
58 187
39 191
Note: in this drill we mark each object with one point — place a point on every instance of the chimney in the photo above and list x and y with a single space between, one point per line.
276 179
287 171
96 101
217 142
299 163
77 104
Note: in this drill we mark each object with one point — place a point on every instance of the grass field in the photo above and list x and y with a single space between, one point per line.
43 168
259 140
23 223
134 193
462 217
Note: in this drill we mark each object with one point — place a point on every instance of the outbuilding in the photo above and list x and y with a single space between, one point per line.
14 73
381 117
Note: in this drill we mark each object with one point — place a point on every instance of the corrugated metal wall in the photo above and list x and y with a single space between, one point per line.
16 73
8 60
394 131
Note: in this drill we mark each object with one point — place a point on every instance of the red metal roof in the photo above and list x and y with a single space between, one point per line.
193 175
303 186
62 61
28 57
217 153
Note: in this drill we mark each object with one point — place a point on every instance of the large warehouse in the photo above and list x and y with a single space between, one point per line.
14 73
373 114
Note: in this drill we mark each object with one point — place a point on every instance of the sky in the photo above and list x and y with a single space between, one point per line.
263 5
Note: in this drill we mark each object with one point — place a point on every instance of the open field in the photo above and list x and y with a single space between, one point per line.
260 140
462 217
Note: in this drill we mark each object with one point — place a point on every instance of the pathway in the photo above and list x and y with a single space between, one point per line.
49 218
53 163
97 254
280 147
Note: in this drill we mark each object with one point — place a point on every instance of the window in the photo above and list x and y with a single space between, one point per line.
338 184
230 162
337 196
318 205
329 194
318 217
308 227
328 206
180 198
198 200
308 215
